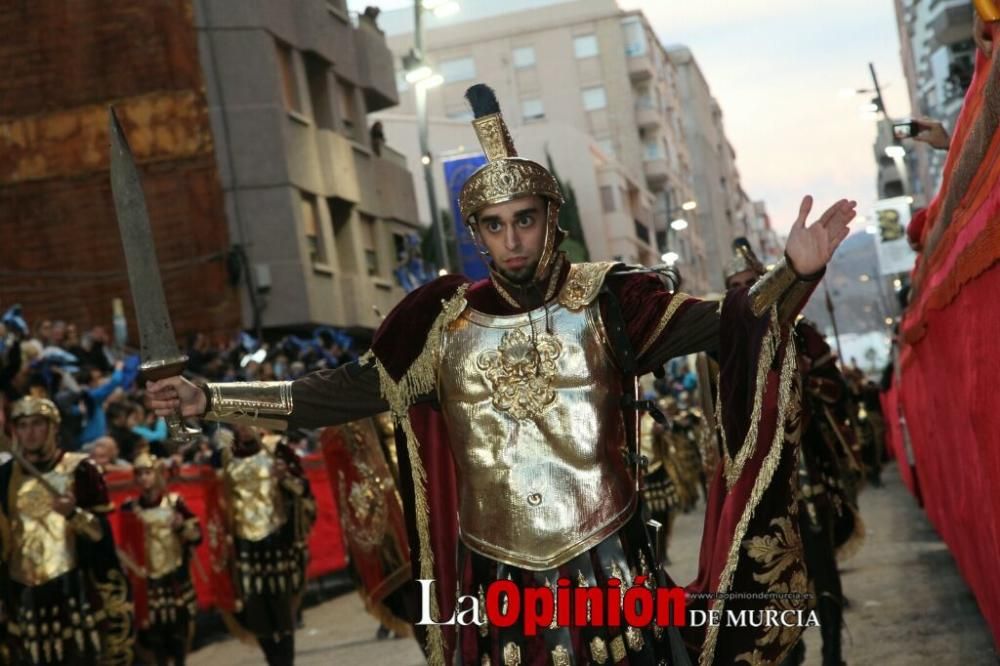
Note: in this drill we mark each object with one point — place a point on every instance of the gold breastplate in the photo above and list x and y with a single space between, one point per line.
257 508
537 433
164 552
44 543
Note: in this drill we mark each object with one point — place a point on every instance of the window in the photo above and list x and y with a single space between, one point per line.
524 56
318 75
458 69
532 109
370 244
348 113
585 46
313 228
340 216
642 231
289 82
607 198
607 147
652 150
635 36
594 98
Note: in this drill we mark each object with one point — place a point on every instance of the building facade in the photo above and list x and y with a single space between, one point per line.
269 206
320 212
581 81
724 208
938 55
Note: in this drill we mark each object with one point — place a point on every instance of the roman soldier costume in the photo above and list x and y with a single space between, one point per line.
829 519
64 593
517 425
265 548
159 533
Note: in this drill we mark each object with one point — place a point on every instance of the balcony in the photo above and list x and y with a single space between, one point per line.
640 67
657 172
951 21
376 73
647 117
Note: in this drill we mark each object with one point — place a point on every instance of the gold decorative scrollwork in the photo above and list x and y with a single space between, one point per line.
504 180
521 372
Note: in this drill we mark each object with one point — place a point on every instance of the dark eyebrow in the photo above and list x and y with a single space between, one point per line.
489 218
526 211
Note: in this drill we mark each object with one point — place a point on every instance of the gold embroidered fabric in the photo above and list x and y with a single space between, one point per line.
164 551
583 284
771 288
258 509
536 430
44 542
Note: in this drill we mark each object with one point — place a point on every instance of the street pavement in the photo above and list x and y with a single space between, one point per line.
908 605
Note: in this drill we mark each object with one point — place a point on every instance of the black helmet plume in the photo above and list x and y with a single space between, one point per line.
483 100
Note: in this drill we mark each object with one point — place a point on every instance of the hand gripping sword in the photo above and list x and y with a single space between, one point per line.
160 356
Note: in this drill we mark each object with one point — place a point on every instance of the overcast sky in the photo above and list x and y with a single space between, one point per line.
777 68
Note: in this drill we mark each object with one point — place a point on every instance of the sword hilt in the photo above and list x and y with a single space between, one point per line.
178 433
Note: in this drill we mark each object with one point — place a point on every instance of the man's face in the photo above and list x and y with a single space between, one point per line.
146 478
32 432
514 234
741 279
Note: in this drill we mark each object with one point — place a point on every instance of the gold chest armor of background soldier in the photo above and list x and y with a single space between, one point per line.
164 552
537 433
258 510
44 543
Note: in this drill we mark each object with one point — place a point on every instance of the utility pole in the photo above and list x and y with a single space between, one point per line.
426 159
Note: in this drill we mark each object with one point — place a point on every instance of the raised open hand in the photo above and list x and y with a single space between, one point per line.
810 248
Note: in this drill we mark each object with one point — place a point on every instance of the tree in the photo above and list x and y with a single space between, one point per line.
575 245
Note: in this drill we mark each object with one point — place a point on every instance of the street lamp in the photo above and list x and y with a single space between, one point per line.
689 205
670 258
423 78
895 152
679 224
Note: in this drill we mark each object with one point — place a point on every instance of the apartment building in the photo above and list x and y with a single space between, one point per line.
584 82
938 55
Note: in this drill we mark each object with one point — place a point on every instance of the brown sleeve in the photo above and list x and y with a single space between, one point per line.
662 324
332 397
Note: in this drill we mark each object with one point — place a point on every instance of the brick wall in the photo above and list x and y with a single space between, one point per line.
60 254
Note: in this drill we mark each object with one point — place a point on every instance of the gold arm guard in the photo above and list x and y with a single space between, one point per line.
989 10
250 403
85 523
783 287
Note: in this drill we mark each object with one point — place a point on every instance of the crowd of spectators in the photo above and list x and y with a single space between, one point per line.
94 381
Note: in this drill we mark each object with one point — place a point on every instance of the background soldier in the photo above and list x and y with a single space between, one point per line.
159 533
64 593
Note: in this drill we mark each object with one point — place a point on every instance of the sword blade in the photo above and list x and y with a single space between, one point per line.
156 332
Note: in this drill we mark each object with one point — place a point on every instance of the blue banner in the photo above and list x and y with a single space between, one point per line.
457 170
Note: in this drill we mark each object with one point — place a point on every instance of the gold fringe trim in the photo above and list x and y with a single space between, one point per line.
769 348
386 618
421 378
770 465
853 544
676 301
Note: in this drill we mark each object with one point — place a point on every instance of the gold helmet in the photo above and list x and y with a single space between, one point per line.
506 176
147 460
32 406
744 259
